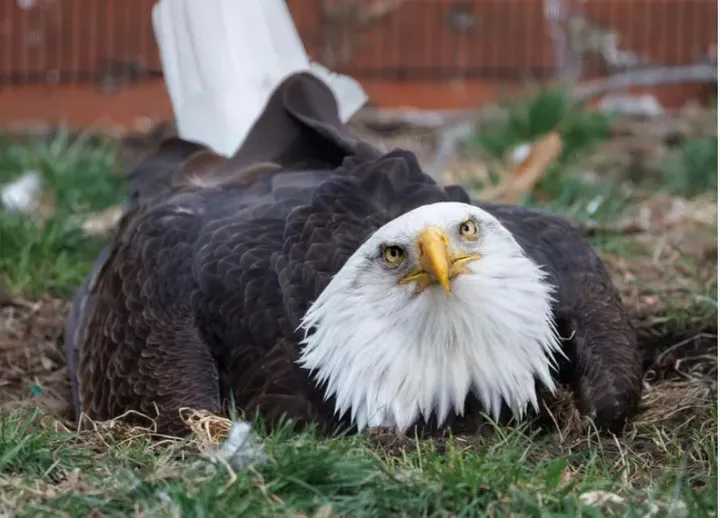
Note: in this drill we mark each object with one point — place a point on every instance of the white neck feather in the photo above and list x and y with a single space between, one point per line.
390 356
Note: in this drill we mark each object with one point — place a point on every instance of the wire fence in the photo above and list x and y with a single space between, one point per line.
509 39
111 42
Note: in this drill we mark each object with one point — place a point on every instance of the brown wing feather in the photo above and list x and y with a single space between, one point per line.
141 348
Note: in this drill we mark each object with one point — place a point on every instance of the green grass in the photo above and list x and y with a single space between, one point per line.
55 473
56 256
694 167
536 115
48 471
563 188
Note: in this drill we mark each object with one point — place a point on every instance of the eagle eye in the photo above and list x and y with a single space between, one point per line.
393 255
468 229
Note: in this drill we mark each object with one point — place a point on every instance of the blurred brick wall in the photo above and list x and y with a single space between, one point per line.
73 40
85 60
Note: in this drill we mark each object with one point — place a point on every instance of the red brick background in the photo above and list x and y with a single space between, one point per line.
411 56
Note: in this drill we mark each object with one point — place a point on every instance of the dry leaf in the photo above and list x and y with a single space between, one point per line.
524 176
664 213
528 167
603 499
103 221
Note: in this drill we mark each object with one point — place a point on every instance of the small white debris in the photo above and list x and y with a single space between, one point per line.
674 508
167 500
103 221
594 204
23 193
241 447
677 509
520 152
641 105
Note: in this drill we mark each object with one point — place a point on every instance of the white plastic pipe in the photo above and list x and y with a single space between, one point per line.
223 58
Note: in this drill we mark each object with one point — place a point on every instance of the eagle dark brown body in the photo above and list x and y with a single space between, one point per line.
216 260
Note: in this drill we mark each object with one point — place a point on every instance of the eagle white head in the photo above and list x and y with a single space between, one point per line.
438 303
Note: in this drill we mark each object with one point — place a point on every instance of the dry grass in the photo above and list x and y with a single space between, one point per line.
32 364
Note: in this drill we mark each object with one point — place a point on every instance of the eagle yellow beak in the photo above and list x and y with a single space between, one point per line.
437 263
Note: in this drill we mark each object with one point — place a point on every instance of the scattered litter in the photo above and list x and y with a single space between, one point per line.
22 194
241 447
594 204
26 195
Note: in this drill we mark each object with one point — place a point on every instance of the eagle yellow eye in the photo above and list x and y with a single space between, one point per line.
468 229
393 255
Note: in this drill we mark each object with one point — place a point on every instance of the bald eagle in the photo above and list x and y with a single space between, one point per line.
315 277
